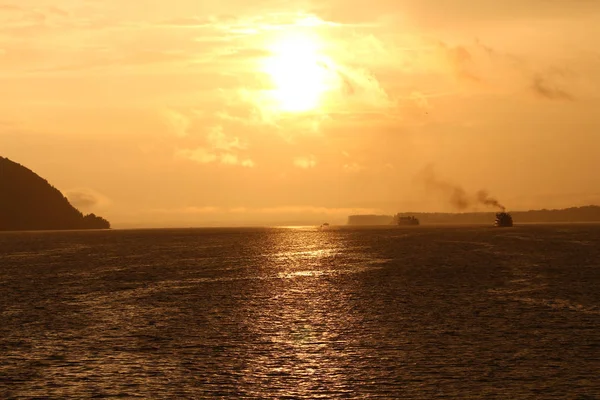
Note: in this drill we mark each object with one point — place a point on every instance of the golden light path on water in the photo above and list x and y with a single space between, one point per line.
304 315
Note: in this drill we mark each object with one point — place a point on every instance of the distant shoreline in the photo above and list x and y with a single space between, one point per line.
585 214
283 227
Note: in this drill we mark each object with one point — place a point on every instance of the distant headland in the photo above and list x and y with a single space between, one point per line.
29 202
574 214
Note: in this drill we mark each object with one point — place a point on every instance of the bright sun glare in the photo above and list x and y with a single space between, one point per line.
300 74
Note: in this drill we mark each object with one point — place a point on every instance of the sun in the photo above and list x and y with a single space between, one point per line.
299 72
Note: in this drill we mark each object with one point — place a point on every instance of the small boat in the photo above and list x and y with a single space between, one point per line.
324 226
408 221
503 219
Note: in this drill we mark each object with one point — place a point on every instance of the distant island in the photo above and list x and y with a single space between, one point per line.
29 202
574 214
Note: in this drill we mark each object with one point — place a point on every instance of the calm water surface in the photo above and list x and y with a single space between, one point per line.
412 313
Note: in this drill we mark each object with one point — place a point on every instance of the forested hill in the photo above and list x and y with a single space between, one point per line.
29 202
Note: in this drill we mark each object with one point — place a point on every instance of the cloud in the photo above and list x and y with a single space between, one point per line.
10 7
461 62
203 155
360 86
232 159
177 122
187 210
431 14
342 211
245 54
218 141
229 159
283 210
305 162
86 199
353 167
218 147
199 155
188 22
32 20
546 87
57 11
101 58
416 105
247 163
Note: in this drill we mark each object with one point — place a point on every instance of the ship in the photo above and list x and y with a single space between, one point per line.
410 221
503 219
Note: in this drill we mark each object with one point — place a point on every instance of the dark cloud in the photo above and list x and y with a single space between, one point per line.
461 61
348 86
477 63
548 88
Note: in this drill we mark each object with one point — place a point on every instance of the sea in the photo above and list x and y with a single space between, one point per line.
427 312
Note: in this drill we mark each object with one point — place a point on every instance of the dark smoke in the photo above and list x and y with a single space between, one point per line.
457 196
484 198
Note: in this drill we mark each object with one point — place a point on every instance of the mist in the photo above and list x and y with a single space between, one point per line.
86 199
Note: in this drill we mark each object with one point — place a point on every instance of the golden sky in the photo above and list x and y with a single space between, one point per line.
188 112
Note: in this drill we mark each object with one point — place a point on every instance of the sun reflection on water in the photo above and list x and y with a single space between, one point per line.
304 316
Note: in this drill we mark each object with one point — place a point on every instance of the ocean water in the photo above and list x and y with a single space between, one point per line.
301 313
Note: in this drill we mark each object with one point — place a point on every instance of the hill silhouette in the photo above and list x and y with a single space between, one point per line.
29 202
573 214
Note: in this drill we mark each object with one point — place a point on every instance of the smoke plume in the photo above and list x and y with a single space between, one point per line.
455 194
484 198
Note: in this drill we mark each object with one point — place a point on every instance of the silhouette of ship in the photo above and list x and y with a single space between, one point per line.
503 219
410 221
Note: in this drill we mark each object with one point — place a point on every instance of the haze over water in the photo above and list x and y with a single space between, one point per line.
415 313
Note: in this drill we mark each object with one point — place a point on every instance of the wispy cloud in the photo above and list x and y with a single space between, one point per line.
305 162
219 141
87 199
199 155
9 7
353 167
548 88
461 62
282 210
203 155
177 123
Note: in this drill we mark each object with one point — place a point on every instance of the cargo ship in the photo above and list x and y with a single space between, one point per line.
503 219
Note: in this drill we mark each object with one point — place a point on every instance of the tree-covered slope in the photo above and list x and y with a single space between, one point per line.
29 202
